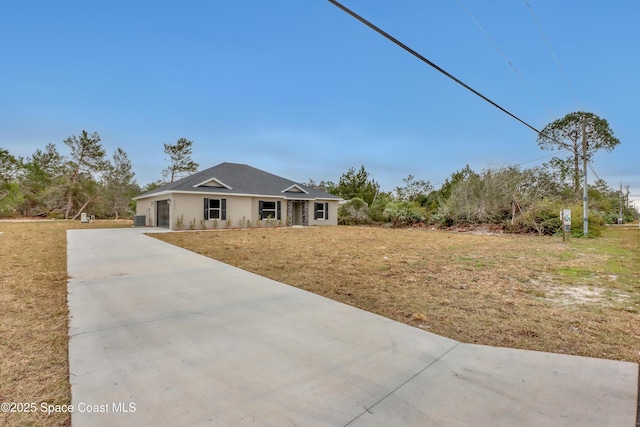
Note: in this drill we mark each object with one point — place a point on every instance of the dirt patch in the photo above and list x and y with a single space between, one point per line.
587 295
483 229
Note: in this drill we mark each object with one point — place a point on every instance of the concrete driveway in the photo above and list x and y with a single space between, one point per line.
161 336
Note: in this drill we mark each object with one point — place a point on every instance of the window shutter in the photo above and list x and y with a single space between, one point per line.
223 209
326 211
278 211
316 214
260 209
206 208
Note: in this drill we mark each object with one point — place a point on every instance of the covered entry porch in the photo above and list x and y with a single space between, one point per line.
298 212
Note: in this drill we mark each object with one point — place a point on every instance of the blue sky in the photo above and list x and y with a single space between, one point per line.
302 90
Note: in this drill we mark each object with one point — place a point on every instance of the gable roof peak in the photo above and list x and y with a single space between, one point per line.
295 188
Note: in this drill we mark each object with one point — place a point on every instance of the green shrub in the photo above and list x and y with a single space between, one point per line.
376 210
405 214
542 218
354 212
596 223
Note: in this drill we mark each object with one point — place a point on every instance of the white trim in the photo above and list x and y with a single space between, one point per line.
324 212
159 193
296 186
218 209
213 193
274 210
212 179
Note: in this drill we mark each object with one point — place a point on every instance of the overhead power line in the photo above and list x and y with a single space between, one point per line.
428 62
535 160
593 169
504 56
566 79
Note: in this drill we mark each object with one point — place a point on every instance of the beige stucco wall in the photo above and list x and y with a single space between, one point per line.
191 208
237 208
188 209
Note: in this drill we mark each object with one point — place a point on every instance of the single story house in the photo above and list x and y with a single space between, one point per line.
235 195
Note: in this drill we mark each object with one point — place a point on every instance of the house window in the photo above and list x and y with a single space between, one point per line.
269 210
321 210
215 209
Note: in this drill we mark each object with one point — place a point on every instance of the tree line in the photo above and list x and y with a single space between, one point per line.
515 199
50 184
512 198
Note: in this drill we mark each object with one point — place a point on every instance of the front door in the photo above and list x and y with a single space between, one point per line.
163 213
297 213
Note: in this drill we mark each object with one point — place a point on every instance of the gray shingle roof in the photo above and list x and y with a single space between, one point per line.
243 179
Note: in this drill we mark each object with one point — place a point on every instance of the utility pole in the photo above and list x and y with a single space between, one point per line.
585 193
627 187
621 198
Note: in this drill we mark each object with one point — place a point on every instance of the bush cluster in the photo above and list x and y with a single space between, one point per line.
508 198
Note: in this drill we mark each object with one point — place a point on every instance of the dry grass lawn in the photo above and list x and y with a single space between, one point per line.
518 291
34 317
527 292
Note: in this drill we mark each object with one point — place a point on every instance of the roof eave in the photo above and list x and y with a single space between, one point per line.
306 196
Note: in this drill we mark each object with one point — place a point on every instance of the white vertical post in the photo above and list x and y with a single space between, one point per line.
620 221
585 194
